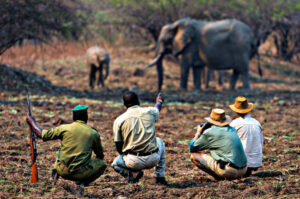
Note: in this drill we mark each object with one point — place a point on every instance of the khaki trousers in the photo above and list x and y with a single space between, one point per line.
211 166
87 173
125 164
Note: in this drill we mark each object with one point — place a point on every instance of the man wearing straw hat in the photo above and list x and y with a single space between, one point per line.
227 159
249 131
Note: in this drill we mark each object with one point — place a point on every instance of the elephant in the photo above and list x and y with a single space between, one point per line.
96 58
220 45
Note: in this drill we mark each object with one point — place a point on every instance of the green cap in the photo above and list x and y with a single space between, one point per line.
80 107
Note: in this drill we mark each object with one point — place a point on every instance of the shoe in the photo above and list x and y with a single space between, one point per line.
161 180
138 176
131 181
55 176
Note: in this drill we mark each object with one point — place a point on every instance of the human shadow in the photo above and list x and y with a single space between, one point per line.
265 174
188 184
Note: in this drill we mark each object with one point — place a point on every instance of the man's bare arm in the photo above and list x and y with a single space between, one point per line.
159 101
34 127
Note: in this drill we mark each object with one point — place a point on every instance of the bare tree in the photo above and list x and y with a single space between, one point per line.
39 19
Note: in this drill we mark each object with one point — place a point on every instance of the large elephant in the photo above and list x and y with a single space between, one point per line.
97 58
225 44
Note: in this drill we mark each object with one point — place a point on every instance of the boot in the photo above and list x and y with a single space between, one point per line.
139 176
54 176
161 180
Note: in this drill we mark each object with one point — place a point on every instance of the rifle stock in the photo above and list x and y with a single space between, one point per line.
34 172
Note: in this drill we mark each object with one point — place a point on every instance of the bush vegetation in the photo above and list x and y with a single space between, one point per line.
140 21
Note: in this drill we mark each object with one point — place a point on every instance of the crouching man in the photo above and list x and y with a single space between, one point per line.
136 141
227 159
250 132
78 140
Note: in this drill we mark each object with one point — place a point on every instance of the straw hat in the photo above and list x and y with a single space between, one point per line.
241 105
218 117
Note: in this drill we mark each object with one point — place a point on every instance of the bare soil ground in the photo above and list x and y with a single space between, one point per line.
58 80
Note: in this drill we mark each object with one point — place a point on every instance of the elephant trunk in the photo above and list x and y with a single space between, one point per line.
160 72
158 61
159 67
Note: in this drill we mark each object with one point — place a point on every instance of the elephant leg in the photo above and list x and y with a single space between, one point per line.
207 78
234 78
93 70
185 69
246 81
197 77
203 75
100 78
218 75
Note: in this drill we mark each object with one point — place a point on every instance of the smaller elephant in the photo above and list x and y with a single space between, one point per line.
97 58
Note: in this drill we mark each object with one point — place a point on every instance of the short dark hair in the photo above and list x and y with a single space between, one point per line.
80 115
242 114
130 98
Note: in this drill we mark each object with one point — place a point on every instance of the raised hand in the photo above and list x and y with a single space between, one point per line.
159 97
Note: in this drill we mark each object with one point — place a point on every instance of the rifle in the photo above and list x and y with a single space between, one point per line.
34 172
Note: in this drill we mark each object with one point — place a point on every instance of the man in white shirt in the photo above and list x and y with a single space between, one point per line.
250 133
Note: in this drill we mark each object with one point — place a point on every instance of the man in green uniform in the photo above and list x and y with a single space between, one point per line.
227 159
78 140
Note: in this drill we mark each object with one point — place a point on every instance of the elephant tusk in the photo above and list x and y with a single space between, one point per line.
154 61
151 64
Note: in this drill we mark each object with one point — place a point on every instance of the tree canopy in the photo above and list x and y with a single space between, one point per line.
38 19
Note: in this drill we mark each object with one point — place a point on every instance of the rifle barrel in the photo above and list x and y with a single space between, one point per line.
28 102
34 172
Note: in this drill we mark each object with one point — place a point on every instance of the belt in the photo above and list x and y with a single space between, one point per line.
236 167
140 153
223 164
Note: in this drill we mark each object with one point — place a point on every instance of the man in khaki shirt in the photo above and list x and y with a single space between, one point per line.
136 141
78 140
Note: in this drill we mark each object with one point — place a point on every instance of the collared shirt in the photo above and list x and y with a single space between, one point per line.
224 144
250 133
136 129
78 140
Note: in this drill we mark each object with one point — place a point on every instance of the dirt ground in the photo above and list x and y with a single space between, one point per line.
58 82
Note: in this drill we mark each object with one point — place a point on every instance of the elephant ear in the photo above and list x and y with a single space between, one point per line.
184 35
